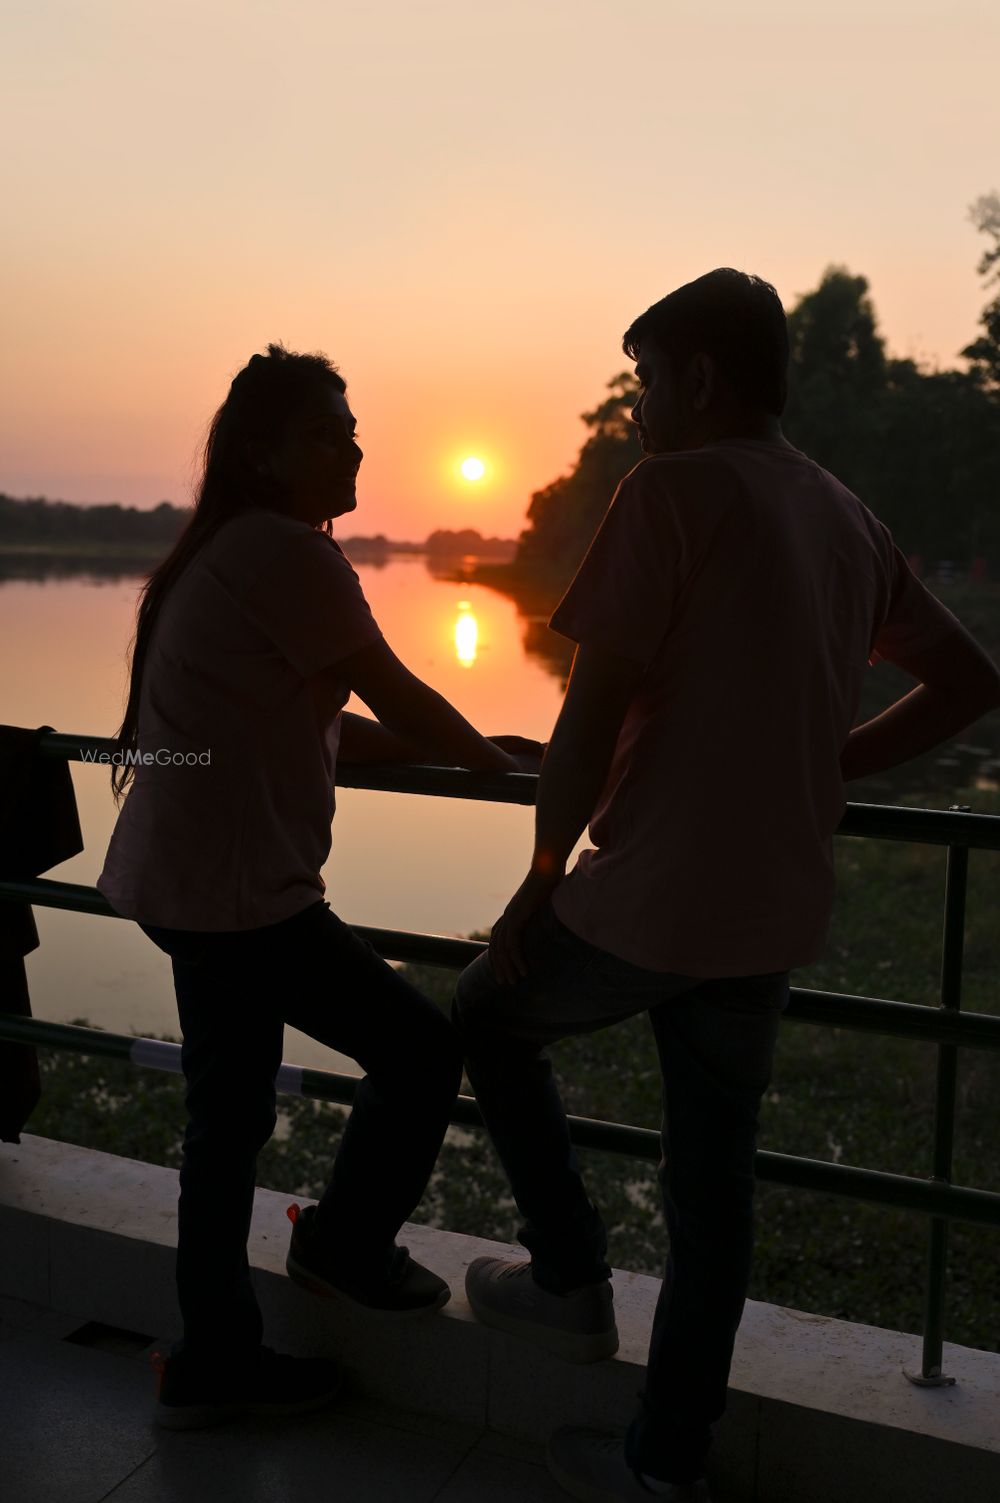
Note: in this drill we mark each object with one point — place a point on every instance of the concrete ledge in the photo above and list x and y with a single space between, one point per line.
819 1409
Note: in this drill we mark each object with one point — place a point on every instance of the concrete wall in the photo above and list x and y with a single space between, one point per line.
819 1409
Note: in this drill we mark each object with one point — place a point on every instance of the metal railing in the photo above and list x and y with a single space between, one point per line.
946 1025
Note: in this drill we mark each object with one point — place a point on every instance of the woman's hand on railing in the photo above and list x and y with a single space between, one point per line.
527 753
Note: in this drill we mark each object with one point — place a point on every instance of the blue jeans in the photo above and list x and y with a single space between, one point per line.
715 1041
235 992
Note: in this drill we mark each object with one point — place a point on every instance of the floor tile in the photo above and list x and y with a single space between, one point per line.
75 1422
487 1477
323 1456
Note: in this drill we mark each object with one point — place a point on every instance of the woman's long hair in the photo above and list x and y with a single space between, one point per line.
264 394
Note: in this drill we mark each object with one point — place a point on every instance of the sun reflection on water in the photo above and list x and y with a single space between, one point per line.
466 635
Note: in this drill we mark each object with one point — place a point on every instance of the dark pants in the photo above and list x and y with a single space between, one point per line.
715 1041
235 991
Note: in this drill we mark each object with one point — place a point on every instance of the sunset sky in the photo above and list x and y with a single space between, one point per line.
463 205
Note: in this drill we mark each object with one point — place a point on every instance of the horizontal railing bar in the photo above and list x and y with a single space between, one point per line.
440 782
874 821
911 1020
385 777
979 832
422 949
927 1197
907 1020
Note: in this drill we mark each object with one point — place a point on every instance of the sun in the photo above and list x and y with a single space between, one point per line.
472 468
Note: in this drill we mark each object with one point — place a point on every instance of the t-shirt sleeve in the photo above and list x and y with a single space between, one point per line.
623 592
914 618
309 602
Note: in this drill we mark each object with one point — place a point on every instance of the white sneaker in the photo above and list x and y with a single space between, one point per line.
592 1467
579 1327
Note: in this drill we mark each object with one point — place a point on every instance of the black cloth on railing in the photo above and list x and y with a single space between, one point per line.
39 827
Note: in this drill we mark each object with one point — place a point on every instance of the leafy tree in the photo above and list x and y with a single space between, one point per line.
837 377
564 516
984 352
920 447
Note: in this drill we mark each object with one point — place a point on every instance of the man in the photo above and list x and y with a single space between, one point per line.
725 615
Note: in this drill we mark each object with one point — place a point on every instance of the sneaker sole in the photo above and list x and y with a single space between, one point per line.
571 1346
592 1492
325 1290
201 1416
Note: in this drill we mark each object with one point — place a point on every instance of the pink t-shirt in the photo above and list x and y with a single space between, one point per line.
756 589
236 839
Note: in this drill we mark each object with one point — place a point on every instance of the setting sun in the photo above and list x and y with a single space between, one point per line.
473 469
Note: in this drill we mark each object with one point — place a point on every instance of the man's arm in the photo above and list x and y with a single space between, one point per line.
574 771
958 682
576 763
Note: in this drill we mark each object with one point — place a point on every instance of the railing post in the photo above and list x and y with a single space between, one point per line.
956 882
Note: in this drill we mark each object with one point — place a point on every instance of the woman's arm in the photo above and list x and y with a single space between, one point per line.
415 715
364 740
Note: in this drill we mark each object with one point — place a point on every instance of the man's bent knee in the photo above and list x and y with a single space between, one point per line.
477 997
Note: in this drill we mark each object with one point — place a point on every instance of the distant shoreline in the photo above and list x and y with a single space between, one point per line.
69 549
355 547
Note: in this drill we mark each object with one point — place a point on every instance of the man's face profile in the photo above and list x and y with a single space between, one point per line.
657 411
671 409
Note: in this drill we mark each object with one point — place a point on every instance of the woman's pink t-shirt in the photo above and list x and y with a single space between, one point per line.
756 589
235 839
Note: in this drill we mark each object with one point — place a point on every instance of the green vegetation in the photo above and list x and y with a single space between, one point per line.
920 447
836 1095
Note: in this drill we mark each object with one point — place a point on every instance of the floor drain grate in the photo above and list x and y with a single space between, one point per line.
109 1339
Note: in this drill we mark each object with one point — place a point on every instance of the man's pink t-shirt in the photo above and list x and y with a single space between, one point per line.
237 840
755 589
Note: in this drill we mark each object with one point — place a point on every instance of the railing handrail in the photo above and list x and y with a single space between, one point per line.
874 821
908 1020
946 1025
901 1191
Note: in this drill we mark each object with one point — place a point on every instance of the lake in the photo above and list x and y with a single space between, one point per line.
427 864
430 864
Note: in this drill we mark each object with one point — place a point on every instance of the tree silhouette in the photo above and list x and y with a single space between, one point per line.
984 352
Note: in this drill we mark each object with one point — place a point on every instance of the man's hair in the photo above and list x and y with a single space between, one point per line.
732 316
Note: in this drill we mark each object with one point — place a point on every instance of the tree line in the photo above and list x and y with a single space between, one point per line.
38 521
920 447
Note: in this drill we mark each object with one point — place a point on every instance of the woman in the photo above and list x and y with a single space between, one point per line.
250 637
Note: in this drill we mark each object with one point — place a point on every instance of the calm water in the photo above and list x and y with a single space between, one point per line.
434 865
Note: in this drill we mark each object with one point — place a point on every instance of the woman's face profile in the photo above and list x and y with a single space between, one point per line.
316 463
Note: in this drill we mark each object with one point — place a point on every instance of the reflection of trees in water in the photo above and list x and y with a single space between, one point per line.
554 651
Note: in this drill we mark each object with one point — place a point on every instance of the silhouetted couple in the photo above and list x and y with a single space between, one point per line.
724 616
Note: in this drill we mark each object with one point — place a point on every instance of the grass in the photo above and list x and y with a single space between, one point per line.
836 1095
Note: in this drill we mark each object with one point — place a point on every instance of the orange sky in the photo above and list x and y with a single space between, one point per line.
463 206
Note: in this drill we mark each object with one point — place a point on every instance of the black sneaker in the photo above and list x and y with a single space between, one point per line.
191 1395
405 1288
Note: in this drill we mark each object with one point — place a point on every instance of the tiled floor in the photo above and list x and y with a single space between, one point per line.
77 1429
